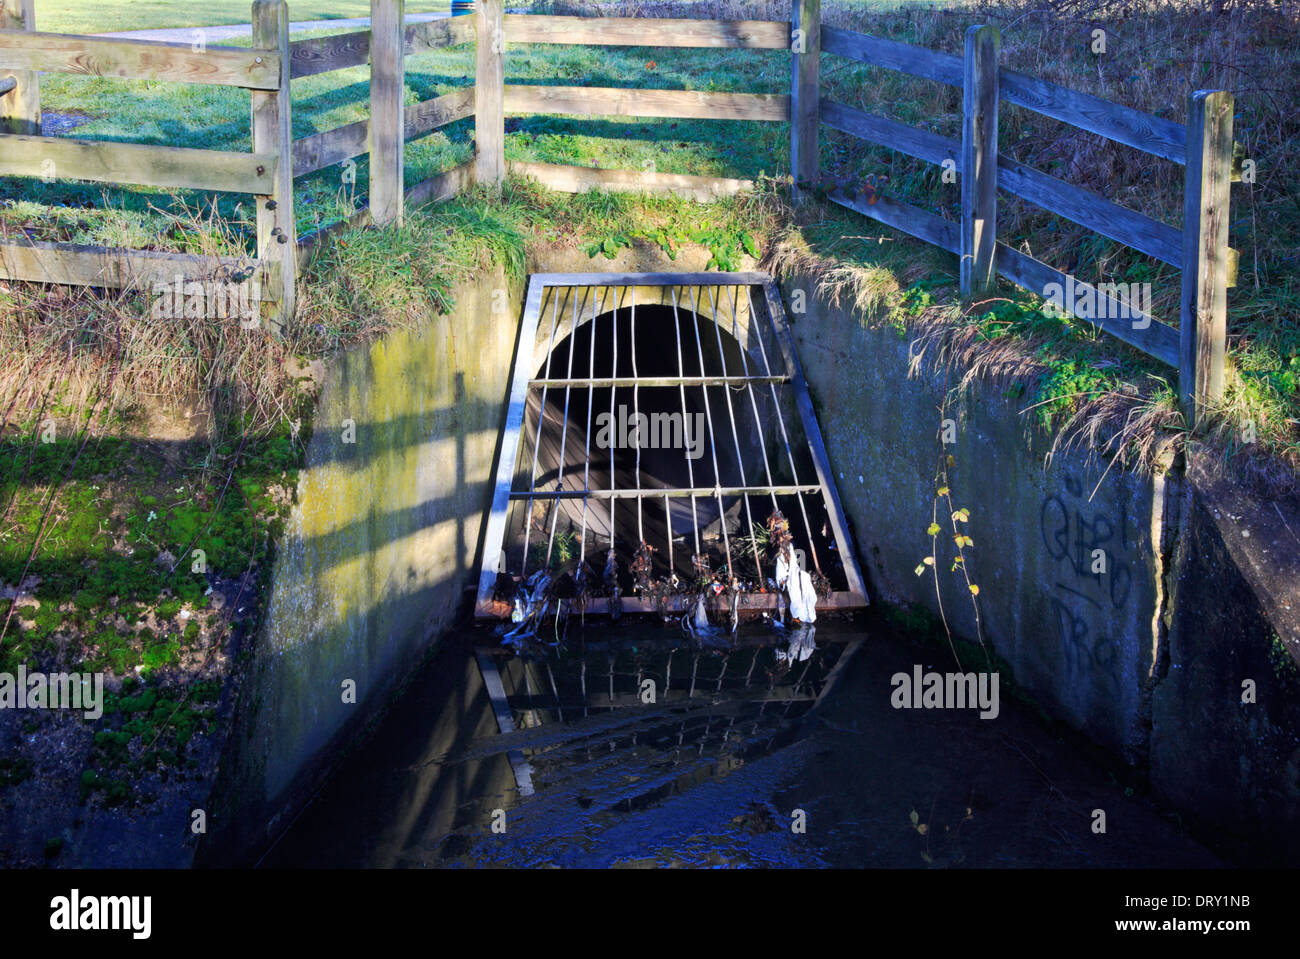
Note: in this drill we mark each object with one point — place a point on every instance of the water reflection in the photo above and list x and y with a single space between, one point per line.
555 742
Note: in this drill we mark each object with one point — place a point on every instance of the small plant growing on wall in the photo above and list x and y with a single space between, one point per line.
950 523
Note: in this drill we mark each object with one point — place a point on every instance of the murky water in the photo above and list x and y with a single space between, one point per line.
636 746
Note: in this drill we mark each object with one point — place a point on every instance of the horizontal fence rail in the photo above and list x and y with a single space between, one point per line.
317 55
76 264
643 32
140 59
141 164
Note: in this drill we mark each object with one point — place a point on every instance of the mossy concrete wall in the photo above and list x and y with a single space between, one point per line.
1146 657
376 556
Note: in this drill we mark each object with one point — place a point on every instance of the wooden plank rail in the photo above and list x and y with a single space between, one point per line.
577 179
915 142
1122 124
77 264
142 164
1081 206
614 101
328 147
326 54
892 55
1156 339
912 220
648 32
1095 212
442 186
140 60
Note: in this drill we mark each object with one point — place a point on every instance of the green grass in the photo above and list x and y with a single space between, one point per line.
102 16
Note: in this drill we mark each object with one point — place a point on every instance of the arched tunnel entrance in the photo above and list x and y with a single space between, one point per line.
661 449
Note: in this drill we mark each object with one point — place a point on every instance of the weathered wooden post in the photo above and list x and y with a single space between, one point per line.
277 236
489 94
1203 321
805 57
387 109
979 160
20 108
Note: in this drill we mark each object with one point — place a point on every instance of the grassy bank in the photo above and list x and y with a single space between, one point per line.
1101 388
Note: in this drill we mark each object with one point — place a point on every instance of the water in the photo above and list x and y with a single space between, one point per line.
734 754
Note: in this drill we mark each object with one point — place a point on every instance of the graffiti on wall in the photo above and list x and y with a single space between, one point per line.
1094 558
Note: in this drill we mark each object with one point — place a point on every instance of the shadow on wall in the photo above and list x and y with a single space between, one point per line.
375 557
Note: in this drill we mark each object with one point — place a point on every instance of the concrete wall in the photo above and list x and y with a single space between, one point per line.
1148 657
1083 642
375 558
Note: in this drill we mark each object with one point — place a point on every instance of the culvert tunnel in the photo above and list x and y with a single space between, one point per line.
661 440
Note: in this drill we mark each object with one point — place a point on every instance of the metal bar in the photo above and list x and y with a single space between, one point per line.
713 442
677 491
505 722
668 522
684 603
564 433
541 418
586 440
494 538
785 436
749 387
735 435
636 413
690 470
612 394
813 434
659 381
651 279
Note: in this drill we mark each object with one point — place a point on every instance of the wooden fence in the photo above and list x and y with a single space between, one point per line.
1203 145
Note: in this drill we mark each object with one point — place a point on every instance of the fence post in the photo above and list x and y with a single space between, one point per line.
979 160
1203 320
489 93
20 108
387 109
277 236
805 57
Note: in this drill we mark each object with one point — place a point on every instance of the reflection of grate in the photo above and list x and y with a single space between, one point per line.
663 352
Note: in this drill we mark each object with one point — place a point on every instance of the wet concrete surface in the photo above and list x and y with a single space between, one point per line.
724 777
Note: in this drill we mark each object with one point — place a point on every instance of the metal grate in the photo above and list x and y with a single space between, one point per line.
610 365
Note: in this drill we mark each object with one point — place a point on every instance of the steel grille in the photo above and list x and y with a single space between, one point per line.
704 360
